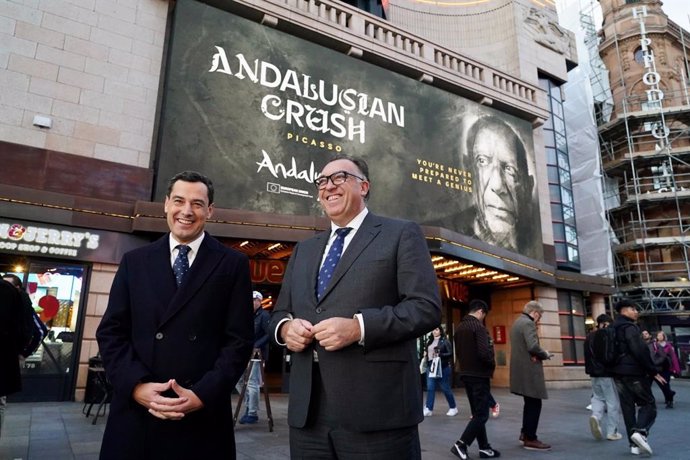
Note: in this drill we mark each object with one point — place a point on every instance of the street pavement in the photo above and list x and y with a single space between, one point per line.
60 431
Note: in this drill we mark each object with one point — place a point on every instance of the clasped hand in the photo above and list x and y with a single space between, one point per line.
332 333
150 396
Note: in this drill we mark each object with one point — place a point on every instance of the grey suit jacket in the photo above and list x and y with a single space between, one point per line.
386 275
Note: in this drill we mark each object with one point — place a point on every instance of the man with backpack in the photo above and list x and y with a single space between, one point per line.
604 393
632 372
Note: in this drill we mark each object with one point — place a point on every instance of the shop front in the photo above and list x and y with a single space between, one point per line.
54 264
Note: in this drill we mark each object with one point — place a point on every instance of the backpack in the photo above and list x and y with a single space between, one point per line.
605 346
38 333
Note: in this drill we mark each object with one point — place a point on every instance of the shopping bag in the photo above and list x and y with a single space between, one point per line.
435 370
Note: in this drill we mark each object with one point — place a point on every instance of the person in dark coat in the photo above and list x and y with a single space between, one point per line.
176 336
439 346
527 372
259 356
632 373
475 354
11 343
604 394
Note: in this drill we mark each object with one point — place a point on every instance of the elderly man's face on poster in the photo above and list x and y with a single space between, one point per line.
502 182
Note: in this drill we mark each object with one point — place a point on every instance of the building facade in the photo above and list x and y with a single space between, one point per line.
645 148
103 101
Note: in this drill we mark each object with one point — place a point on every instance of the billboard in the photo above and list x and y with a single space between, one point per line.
261 112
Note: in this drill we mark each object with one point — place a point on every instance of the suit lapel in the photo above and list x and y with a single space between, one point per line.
369 229
204 264
163 279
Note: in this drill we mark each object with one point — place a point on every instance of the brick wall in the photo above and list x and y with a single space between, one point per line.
92 66
99 289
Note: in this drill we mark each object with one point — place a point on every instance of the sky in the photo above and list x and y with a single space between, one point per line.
678 11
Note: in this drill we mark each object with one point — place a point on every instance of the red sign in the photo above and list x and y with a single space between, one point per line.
267 271
499 334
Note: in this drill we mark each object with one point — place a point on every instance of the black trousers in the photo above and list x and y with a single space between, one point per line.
666 387
530 417
478 394
636 391
324 439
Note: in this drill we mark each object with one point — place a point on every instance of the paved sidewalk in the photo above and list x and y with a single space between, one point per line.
59 431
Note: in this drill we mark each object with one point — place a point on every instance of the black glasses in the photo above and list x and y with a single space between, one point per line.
337 178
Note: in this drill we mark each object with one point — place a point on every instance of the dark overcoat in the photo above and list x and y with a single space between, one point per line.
10 338
200 334
386 275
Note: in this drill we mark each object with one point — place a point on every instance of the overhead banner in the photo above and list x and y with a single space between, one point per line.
261 112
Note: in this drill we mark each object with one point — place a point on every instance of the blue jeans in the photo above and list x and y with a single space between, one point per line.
444 382
605 401
251 397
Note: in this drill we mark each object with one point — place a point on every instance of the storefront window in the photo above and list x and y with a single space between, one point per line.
56 293
571 314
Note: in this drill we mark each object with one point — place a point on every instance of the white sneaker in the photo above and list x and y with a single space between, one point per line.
496 410
427 412
634 450
614 436
641 441
595 427
452 412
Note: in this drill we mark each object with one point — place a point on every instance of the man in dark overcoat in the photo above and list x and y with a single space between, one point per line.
176 336
10 343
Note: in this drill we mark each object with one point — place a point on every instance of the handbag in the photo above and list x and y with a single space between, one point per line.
662 361
423 365
436 369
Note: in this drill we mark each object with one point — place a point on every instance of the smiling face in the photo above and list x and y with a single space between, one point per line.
343 202
187 208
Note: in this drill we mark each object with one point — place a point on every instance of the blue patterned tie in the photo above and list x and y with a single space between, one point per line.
181 265
331 261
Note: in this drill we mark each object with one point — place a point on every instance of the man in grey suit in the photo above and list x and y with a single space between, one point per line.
351 322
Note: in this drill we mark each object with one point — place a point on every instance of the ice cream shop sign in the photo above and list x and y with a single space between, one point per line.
51 241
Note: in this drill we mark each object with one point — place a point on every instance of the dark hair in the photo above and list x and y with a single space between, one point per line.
360 164
625 302
477 304
191 176
604 318
431 334
13 280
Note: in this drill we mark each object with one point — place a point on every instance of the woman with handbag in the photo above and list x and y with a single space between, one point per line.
666 361
439 354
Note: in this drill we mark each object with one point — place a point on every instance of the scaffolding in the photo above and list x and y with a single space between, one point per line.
645 152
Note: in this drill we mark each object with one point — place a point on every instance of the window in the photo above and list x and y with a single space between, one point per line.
560 186
56 292
571 313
